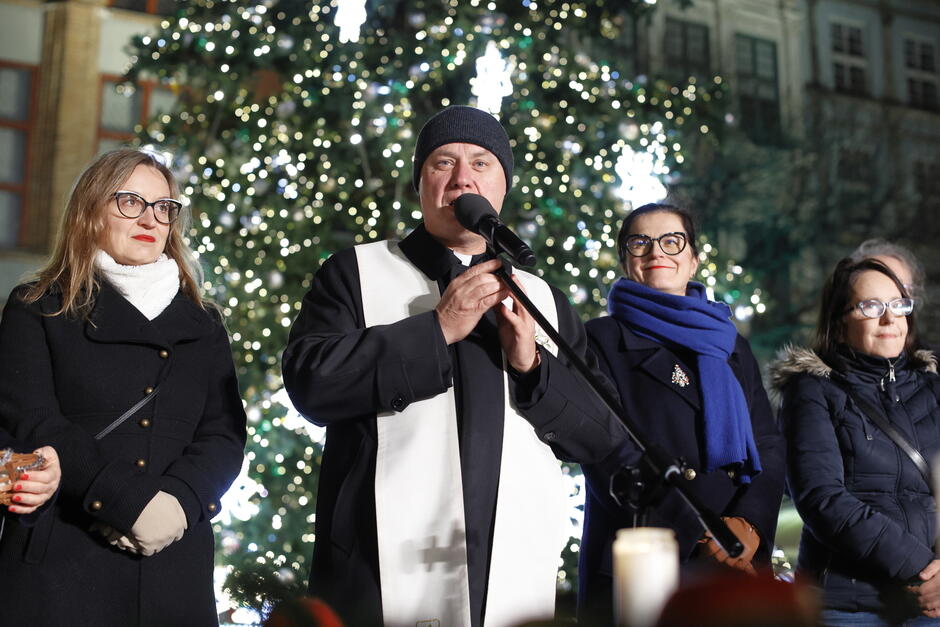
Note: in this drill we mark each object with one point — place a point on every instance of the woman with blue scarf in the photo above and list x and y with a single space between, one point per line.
691 385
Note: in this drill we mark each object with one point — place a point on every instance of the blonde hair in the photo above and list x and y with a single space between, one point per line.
71 269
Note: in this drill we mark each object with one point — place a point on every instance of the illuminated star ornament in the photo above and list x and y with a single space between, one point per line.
493 80
350 14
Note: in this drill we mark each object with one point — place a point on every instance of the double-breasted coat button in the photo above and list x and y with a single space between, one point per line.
95 506
144 423
211 507
141 463
398 403
164 354
148 390
551 436
689 474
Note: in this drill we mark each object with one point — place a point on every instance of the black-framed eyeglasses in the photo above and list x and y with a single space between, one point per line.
874 308
669 243
133 205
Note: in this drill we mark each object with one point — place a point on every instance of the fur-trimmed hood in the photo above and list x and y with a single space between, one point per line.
795 360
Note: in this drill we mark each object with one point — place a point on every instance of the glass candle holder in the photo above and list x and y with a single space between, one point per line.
646 573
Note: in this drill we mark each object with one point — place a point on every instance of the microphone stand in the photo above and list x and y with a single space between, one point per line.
665 469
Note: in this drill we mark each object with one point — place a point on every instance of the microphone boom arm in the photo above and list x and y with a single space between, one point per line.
665 467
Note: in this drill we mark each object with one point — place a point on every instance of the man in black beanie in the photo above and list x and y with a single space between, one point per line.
440 497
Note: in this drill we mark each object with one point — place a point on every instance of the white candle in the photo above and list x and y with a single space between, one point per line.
646 573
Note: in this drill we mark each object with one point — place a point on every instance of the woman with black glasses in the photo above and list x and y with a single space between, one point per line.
861 417
691 385
112 357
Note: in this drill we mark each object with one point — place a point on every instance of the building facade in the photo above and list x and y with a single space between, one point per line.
60 104
849 87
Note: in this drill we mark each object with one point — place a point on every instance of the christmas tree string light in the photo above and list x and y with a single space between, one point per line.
293 133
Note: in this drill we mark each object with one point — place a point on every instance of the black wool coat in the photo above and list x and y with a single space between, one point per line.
869 517
62 380
671 415
7 441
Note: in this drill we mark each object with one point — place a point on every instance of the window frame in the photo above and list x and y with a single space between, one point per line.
850 61
144 88
26 127
149 9
757 135
856 168
684 64
920 75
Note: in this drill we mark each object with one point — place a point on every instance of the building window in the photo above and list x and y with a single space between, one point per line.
17 98
849 64
622 36
927 182
920 66
124 107
758 94
927 186
856 167
154 7
686 48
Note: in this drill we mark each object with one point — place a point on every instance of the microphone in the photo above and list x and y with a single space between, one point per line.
476 214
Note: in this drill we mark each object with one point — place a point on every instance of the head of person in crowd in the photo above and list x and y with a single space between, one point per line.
866 307
657 248
460 150
127 204
731 598
899 259
303 612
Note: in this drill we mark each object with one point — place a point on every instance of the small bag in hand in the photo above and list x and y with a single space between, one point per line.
748 536
12 467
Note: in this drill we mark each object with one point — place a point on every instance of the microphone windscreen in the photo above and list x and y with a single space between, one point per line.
469 209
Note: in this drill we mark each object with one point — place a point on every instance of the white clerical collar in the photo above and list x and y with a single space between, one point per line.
463 257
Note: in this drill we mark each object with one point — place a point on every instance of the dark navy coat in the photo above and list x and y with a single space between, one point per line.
62 380
869 519
670 415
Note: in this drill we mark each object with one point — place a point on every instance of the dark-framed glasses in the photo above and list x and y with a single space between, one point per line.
669 243
874 308
133 205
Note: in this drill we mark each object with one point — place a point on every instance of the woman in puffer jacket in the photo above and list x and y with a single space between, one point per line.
870 520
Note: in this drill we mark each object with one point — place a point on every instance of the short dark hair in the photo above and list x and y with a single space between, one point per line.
688 225
830 331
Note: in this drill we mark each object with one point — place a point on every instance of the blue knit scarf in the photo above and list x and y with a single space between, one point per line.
694 323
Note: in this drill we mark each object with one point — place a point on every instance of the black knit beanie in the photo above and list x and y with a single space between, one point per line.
465 125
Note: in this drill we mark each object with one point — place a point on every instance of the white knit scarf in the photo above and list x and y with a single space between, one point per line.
150 287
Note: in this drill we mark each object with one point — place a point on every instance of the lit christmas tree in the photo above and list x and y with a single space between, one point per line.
294 131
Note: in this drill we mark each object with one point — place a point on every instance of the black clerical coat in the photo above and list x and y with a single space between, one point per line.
340 374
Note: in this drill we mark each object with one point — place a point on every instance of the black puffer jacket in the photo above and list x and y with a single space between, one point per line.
868 512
